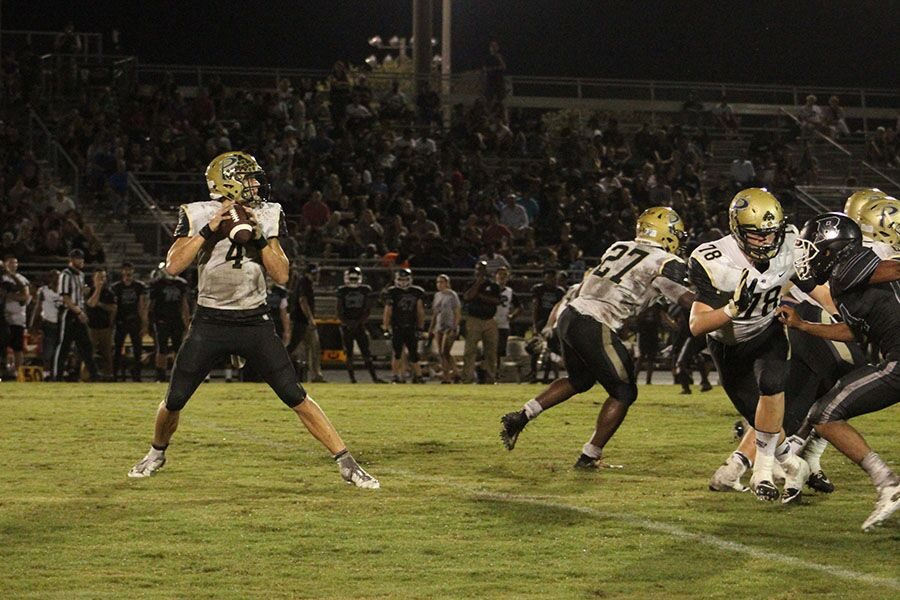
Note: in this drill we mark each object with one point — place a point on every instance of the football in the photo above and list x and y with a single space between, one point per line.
237 225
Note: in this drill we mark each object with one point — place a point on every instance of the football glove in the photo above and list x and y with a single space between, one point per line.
741 299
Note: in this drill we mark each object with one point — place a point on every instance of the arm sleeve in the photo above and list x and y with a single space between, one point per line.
183 227
706 291
672 280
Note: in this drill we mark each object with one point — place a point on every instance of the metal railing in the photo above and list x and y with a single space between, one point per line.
45 41
162 232
44 144
66 75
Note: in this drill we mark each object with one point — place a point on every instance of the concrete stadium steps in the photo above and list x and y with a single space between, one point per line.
119 243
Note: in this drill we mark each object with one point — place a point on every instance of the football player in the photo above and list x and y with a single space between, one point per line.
231 315
866 290
131 320
544 297
170 316
354 303
814 368
631 276
739 280
404 317
879 221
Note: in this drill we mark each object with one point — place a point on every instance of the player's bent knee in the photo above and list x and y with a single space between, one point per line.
626 394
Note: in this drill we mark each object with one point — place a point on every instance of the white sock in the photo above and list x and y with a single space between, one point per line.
880 473
815 447
739 458
533 408
783 451
154 453
765 453
592 451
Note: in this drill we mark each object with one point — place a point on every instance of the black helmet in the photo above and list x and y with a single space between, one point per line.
825 241
403 278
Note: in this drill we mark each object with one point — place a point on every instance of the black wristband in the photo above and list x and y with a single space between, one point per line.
260 243
206 232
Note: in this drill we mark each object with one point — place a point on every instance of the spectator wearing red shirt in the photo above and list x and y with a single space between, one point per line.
315 211
496 233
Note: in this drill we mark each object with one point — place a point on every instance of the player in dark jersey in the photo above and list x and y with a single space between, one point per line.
354 303
232 316
131 321
170 316
404 317
866 291
815 367
544 297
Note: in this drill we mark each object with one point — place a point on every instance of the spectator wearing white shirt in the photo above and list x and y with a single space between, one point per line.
493 259
742 172
810 115
46 318
514 215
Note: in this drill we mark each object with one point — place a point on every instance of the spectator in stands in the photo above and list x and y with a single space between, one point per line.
494 75
692 109
335 234
743 174
496 233
513 216
880 150
835 119
725 116
493 259
810 116
424 227
394 104
315 211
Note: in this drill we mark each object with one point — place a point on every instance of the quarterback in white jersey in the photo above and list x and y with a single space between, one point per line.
740 280
232 316
630 277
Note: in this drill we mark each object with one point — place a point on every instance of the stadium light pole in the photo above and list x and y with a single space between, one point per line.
446 12
422 10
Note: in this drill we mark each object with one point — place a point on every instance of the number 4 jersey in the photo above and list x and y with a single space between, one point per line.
231 276
715 268
629 278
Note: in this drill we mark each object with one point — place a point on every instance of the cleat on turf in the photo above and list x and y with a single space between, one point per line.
354 474
148 465
820 482
512 425
705 386
585 462
764 489
796 474
727 478
888 502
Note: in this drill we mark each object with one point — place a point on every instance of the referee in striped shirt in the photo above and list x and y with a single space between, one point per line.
73 319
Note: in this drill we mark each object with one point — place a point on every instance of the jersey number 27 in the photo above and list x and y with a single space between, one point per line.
615 255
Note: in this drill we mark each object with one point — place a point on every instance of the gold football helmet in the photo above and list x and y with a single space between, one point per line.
858 199
662 227
756 212
880 221
228 174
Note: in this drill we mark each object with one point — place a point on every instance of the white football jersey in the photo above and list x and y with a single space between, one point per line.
716 268
502 314
630 277
883 250
231 276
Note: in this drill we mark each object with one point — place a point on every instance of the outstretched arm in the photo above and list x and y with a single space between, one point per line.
885 272
839 332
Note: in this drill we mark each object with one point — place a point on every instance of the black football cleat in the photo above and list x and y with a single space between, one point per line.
586 463
819 481
765 490
513 423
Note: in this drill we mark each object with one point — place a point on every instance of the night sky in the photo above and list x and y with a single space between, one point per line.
827 42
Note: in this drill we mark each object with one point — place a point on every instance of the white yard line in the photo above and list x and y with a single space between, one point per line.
640 522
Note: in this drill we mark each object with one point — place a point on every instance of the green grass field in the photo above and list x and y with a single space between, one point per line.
249 506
